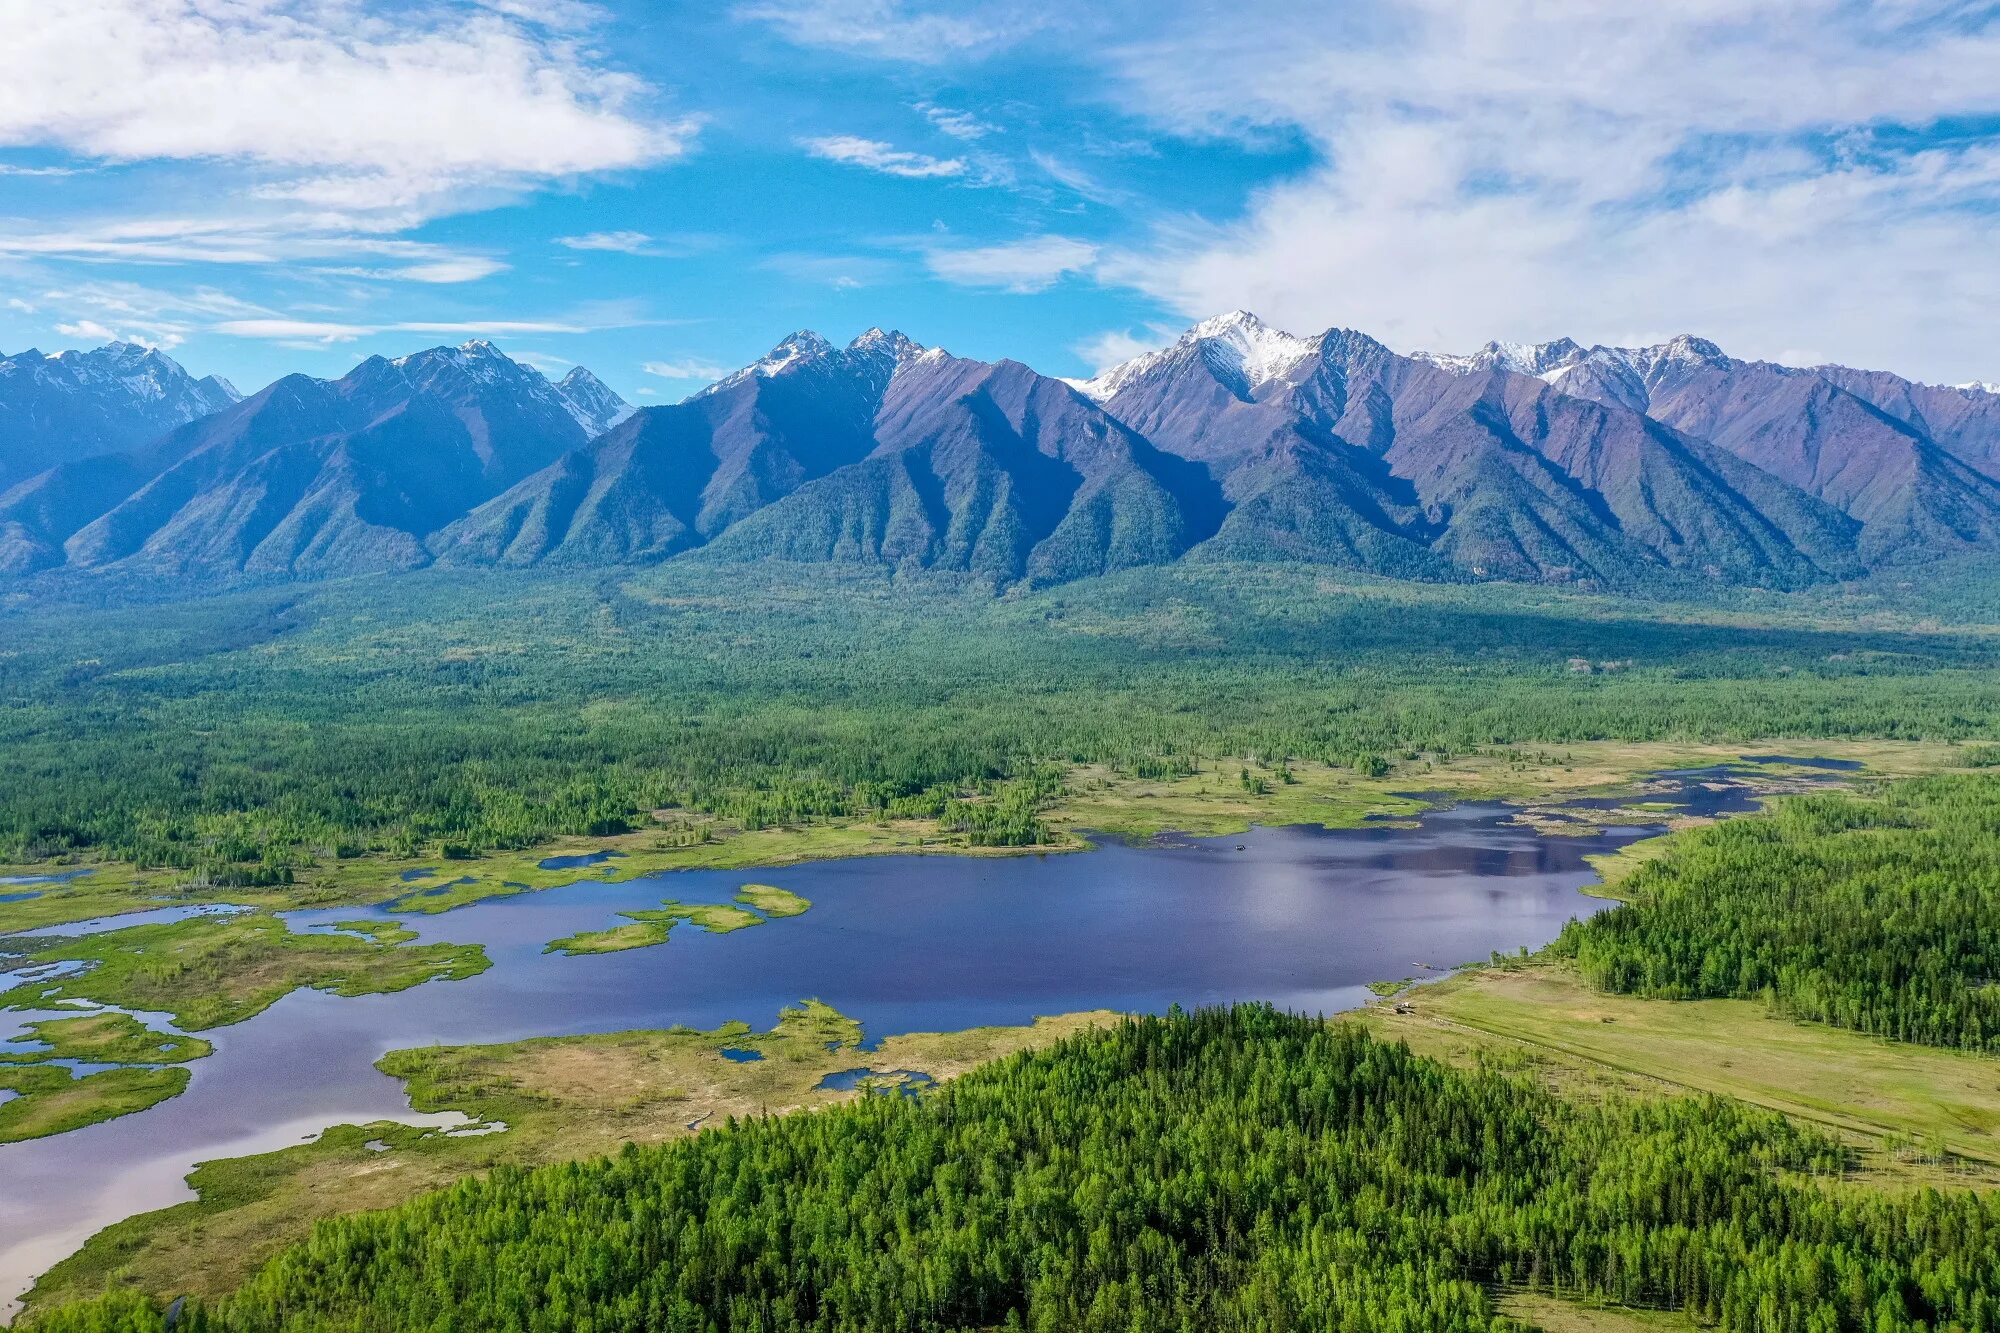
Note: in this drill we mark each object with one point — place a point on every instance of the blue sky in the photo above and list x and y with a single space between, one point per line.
661 191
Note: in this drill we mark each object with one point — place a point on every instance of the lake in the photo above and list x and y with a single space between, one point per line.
1300 916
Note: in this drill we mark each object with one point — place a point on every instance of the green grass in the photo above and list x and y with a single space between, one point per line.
651 926
772 900
1541 1311
54 1101
212 971
1892 1095
107 1039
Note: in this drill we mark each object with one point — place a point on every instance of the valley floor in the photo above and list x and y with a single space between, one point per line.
1919 1114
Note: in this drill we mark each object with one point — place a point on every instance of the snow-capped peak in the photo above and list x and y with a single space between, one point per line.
1552 361
590 402
794 350
1542 360
805 348
886 340
1979 386
1238 340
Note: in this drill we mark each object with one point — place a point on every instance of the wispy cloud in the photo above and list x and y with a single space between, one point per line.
886 158
1076 180
323 84
686 368
252 241
1029 265
841 272
130 312
325 331
958 124
620 242
1115 346
914 30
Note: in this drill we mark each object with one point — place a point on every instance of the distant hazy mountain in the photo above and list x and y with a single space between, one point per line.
54 409
307 477
1672 465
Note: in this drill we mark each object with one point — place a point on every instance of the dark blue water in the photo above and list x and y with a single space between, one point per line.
883 1083
579 861
741 1056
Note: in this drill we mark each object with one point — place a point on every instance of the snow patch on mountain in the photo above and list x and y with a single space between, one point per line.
1237 342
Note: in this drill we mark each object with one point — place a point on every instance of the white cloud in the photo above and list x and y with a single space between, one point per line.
1076 180
621 242
250 241
687 368
90 331
1117 346
334 85
1029 265
129 312
878 156
896 29
841 272
1534 168
296 331
958 124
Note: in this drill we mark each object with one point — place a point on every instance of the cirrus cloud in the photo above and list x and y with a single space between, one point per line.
878 156
1030 265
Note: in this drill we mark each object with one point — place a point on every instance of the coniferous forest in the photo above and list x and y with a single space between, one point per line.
1229 1169
1881 914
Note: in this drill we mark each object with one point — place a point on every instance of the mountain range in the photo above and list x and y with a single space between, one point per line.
1602 466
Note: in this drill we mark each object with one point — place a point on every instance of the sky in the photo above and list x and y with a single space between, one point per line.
661 191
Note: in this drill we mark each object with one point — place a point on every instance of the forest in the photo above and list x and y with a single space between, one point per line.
240 738
1226 1169
1877 913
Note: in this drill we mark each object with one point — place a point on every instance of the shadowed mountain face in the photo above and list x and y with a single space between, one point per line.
1635 467
991 470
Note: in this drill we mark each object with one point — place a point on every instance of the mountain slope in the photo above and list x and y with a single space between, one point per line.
311 477
1672 465
993 470
1339 450
76 405
1912 464
666 478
